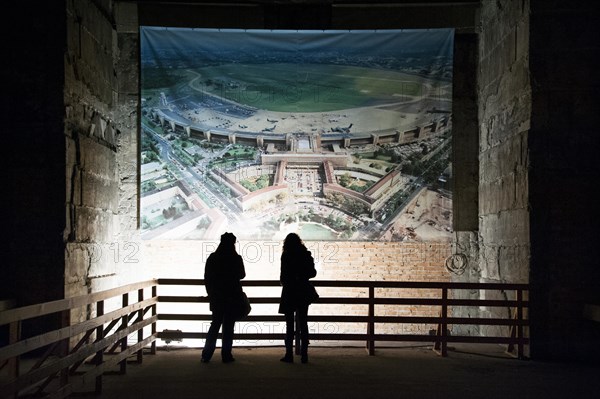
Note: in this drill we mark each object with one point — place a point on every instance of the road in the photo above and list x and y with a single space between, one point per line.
195 180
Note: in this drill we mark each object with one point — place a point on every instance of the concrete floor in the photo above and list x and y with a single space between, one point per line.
410 372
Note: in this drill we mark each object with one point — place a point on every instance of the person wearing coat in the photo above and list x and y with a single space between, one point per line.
297 267
222 274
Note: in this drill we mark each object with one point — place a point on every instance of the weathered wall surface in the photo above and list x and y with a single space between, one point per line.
102 239
334 261
524 209
465 172
90 138
563 147
504 113
100 132
131 258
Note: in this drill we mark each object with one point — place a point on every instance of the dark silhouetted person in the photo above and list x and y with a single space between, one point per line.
222 275
297 267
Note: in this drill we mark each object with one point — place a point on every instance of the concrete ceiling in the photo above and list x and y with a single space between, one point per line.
310 14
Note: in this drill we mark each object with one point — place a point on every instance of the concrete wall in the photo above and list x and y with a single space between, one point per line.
74 153
90 137
504 112
340 260
525 134
100 94
465 171
128 118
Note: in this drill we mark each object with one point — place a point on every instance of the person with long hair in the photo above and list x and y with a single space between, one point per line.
222 274
297 267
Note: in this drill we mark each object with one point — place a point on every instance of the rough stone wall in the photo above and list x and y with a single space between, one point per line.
100 127
90 139
381 261
504 115
465 147
131 257
465 133
102 240
563 145
70 117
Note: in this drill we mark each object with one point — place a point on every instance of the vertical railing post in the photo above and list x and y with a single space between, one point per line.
100 354
520 353
140 333
64 347
371 322
14 335
296 335
124 324
153 328
444 323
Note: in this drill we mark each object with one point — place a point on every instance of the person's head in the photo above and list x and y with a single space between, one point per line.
227 242
292 242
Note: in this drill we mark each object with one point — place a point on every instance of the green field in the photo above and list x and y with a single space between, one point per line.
292 87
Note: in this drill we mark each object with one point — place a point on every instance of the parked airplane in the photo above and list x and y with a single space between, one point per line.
272 120
269 129
341 129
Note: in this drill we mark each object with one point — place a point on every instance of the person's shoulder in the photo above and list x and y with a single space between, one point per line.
232 258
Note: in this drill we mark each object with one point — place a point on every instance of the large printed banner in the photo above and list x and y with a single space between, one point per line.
334 135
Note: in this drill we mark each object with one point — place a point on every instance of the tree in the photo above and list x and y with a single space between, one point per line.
329 220
170 212
262 181
345 180
281 197
203 223
248 185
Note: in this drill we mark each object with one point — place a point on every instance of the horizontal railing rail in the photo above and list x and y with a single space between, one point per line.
440 340
66 348
43 309
104 339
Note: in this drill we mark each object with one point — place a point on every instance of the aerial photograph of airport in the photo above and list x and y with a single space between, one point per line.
334 135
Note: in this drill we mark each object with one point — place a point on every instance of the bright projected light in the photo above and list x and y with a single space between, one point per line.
335 135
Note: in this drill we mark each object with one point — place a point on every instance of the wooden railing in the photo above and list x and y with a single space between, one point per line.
102 341
515 339
58 366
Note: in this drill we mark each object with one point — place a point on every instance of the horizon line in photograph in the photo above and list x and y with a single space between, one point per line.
322 141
